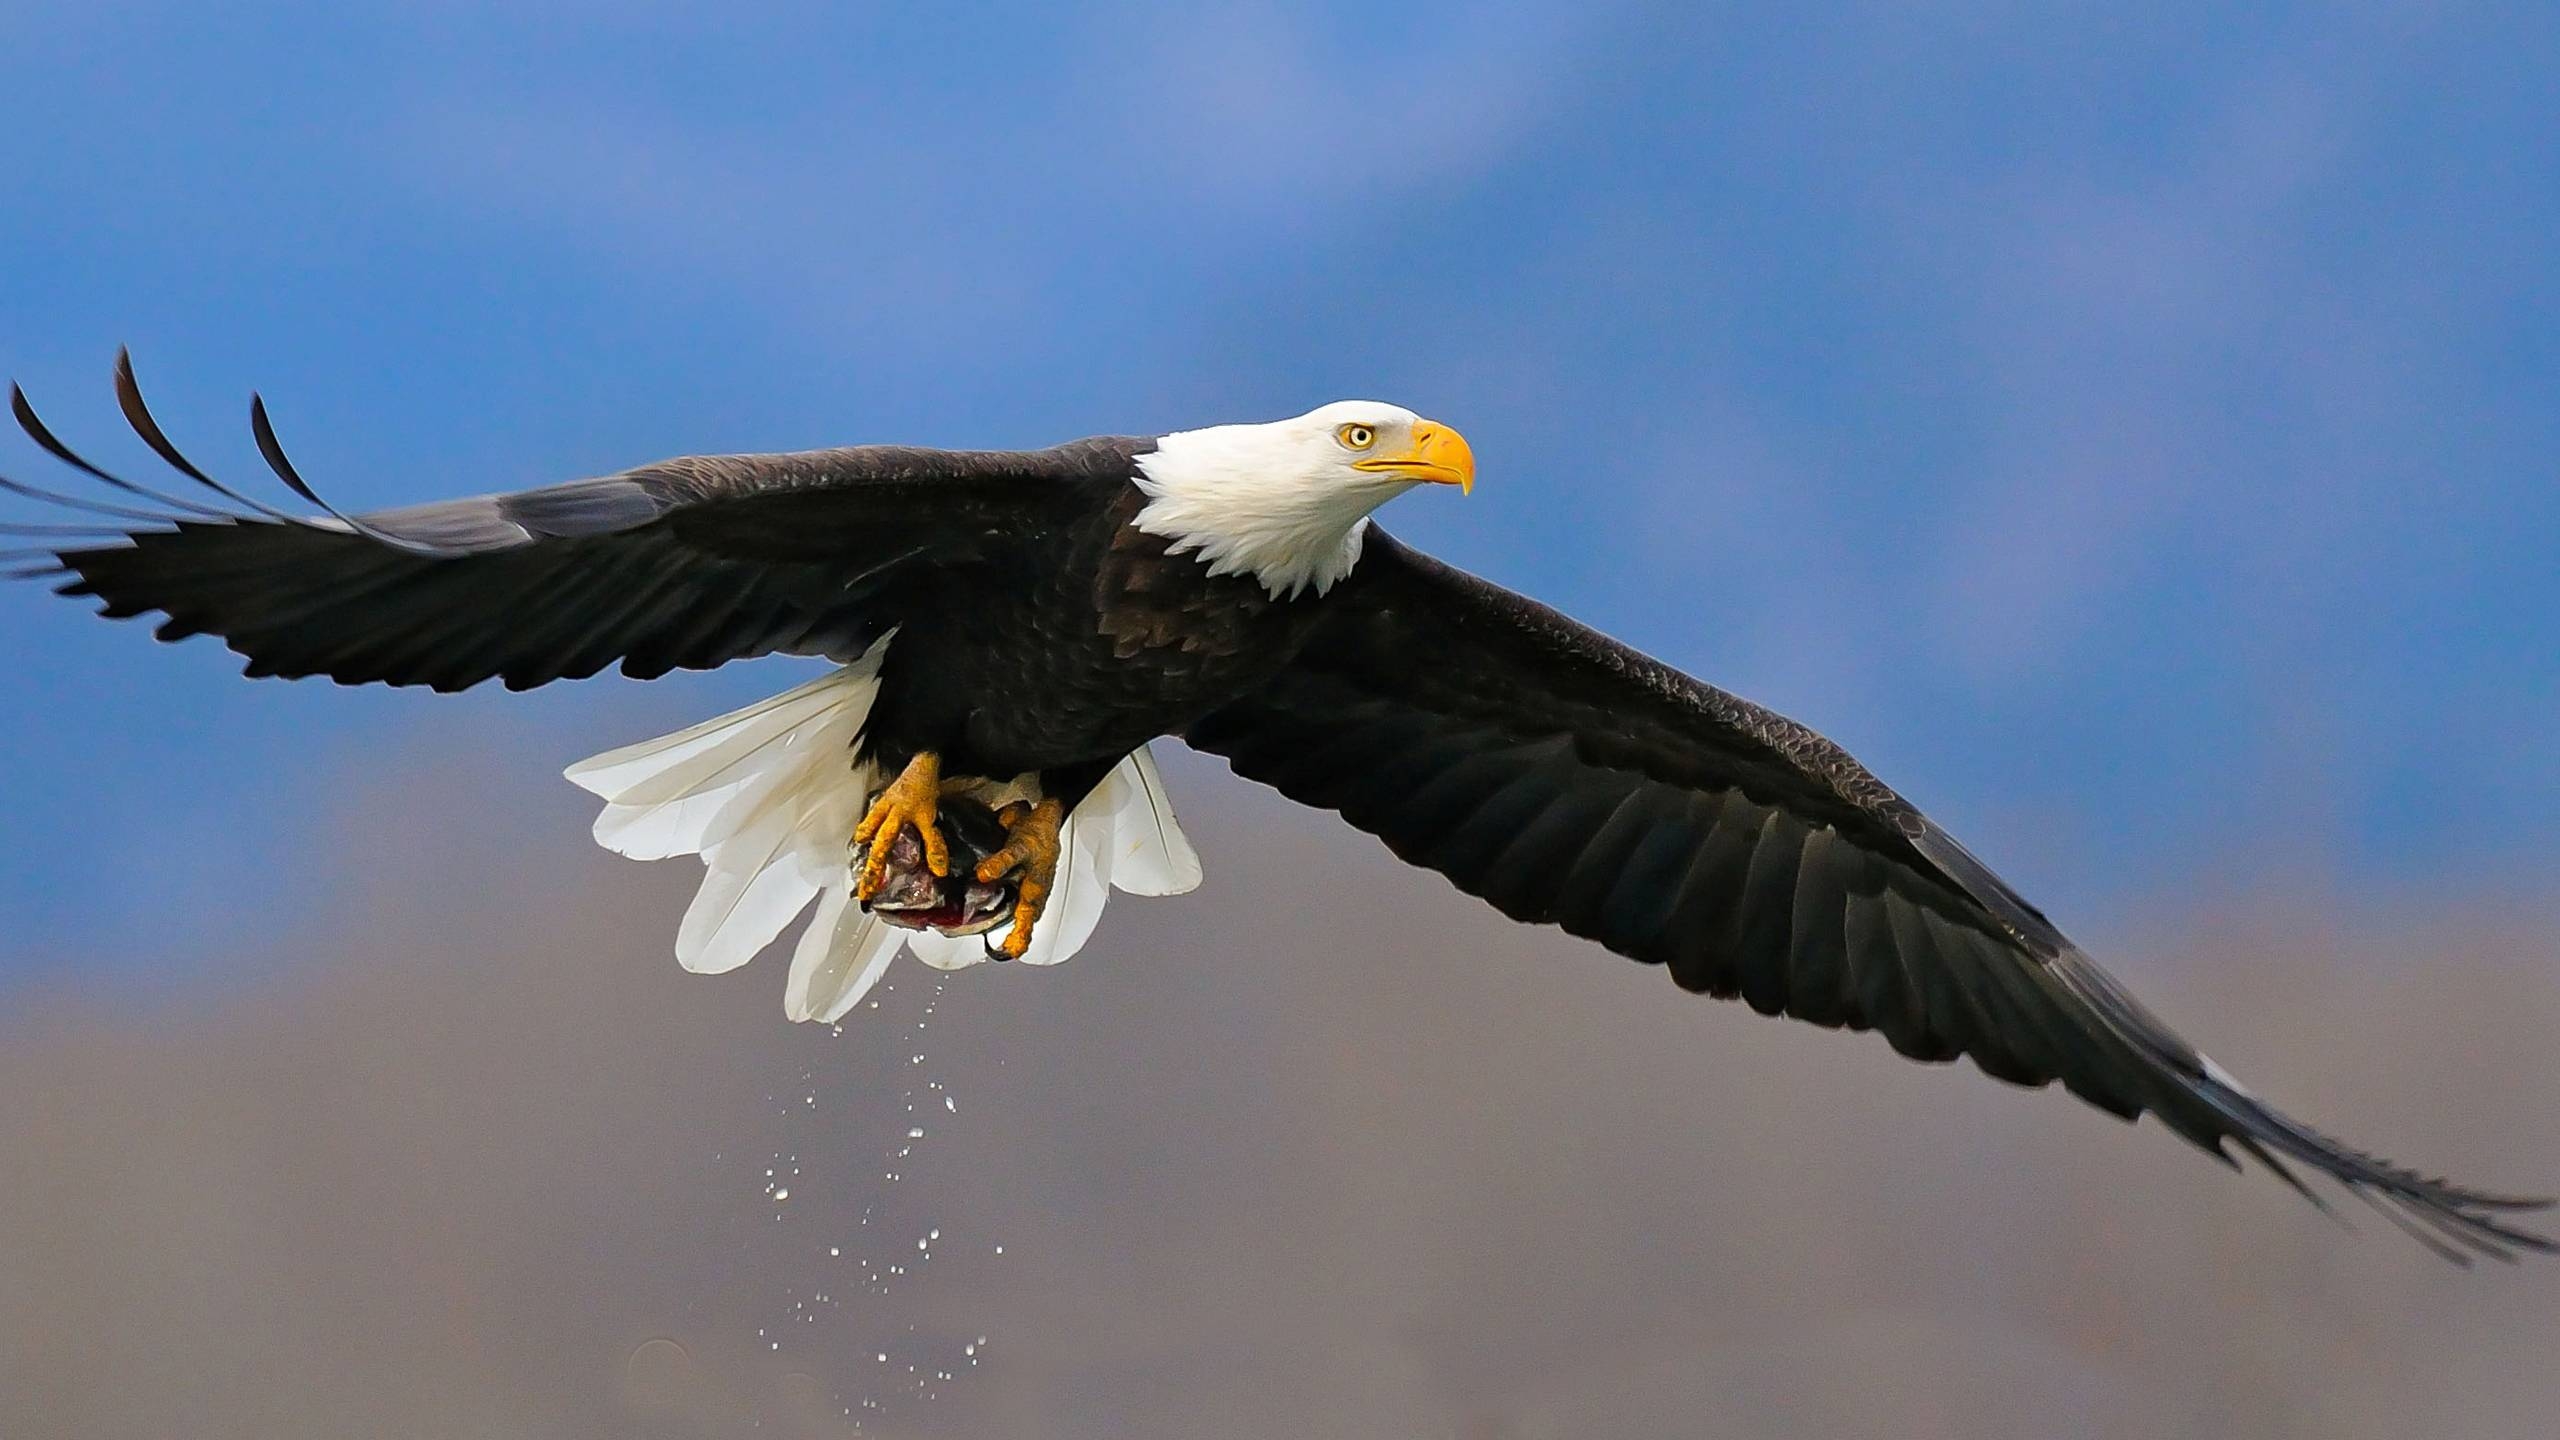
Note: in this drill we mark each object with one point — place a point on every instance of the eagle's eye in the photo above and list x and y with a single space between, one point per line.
1356 437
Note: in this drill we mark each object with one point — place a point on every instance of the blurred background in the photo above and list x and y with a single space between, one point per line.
2132 435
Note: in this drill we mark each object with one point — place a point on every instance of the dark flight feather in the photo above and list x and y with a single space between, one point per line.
1568 779
272 451
25 413
684 564
138 416
33 532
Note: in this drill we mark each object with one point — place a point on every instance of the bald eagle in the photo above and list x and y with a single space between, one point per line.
1013 629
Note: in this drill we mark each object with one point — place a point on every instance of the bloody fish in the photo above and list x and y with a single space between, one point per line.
914 898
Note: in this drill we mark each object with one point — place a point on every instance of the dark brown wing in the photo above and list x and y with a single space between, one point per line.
1572 781
683 564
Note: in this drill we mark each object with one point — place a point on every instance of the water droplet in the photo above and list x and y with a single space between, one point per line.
947 1104
834 1251
782 1194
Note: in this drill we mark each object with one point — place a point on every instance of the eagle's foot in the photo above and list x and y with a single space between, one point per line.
1030 854
913 799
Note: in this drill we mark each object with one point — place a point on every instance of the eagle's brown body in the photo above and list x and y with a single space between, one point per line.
1070 644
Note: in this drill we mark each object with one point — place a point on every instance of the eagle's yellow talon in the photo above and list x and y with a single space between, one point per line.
1030 846
914 798
1026 913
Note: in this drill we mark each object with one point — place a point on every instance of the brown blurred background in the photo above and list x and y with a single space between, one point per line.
1321 1150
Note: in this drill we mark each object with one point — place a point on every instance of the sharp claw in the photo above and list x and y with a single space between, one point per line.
1017 941
910 800
1033 899
875 870
1031 846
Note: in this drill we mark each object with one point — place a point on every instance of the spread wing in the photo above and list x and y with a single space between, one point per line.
683 564
1571 781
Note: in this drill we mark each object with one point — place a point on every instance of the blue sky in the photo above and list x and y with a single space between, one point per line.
2134 436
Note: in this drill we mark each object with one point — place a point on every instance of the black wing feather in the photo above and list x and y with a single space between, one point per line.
1565 778
684 564
36 430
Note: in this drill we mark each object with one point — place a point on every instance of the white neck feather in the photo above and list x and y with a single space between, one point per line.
1260 500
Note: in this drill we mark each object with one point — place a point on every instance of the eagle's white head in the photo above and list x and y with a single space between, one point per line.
1288 502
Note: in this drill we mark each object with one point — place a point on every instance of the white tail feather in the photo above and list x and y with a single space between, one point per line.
673 766
768 797
838 959
760 878
1153 857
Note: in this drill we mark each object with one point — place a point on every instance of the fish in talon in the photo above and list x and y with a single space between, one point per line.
912 897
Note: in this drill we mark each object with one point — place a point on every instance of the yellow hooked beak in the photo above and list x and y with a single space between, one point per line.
1439 456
